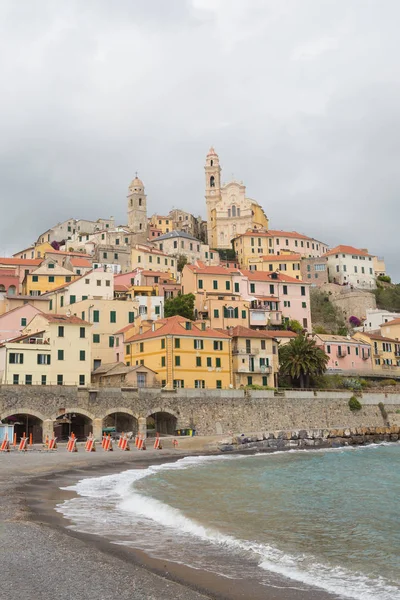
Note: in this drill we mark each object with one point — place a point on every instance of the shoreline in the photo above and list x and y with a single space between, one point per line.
38 491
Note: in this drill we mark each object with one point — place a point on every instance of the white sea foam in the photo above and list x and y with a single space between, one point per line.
118 492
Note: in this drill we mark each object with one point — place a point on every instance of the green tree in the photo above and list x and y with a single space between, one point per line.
182 305
300 359
182 261
295 326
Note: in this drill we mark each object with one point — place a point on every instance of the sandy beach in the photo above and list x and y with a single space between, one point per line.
43 559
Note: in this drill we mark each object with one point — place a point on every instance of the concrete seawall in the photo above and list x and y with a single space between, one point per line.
209 412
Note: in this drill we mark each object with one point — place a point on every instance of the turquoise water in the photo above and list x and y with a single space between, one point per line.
324 518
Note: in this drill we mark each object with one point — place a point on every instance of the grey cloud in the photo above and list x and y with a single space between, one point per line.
299 99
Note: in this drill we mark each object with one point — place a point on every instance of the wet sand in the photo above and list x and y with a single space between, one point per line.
43 559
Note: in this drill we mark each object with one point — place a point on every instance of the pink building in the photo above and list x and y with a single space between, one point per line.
285 297
9 282
21 267
14 321
346 354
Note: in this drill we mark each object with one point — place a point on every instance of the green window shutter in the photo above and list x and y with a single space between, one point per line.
215 284
72 299
51 266
96 316
62 301
198 361
227 285
128 349
264 380
252 288
216 313
200 284
23 322
51 278
177 361
50 304
236 313
218 362
82 332
303 290
84 297
141 347
209 361
60 354
82 355
163 361
225 312
96 338
157 310
68 279
81 380
163 344
236 287
35 278
219 384
244 316
177 343
131 317
113 316
111 341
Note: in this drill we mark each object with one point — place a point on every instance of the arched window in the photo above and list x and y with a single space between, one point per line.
140 226
233 211
2 288
211 162
230 312
212 181
140 202
238 212
12 290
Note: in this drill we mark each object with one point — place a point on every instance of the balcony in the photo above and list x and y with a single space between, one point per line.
261 317
264 370
248 351
341 353
365 356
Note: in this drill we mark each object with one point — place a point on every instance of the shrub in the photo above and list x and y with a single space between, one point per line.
354 321
383 411
352 384
386 382
254 386
385 278
354 404
364 383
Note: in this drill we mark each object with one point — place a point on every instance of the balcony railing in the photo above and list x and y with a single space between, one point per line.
264 370
341 353
250 351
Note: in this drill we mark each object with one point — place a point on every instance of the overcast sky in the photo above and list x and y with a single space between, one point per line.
300 98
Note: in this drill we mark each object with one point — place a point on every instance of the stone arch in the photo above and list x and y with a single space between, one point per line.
73 419
27 421
161 421
22 411
120 419
74 409
121 409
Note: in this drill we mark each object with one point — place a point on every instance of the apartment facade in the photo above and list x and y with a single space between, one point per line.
254 357
350 266
314 270
93 285
13 322
261 242
288 264
385 353
183 354
48 276
52 350
176 243
151 259
346 354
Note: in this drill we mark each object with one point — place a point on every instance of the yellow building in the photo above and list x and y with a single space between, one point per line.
164 224
252 244
254 357
289 264
150 258
48 276
52 350
183 353
385 353
37 251
391 329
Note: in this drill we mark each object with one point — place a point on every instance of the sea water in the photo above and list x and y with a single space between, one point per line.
327 518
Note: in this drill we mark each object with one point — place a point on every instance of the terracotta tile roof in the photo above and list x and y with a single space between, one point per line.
379 338
71 320
282 334
20 308
393 322
149 250
80 262
289 234
240 331
174 326
124 329
21 261
157 274
343 339
65 253
119 287
253 233
201 269
67 283
267 276
347 250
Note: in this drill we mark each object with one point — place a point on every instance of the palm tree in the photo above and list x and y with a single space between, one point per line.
301 358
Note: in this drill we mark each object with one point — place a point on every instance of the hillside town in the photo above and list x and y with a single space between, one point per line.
174 301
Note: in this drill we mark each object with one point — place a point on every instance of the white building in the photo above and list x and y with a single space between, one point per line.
375 317
176 243
351 266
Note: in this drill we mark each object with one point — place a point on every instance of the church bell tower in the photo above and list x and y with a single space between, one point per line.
137 211
213 192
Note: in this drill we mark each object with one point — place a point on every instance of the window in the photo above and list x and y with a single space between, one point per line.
177 343
244 315
62 301
249 380
116 256
199 383
141 347
303 305
15 379
209 361
16 358
60 354
305 323
236 287
157 310
23 322
188 325
51 265
216 313
96 316
163 361
128 349
44 379
51 278
82 355
60 380
286 303
215 284
104 254
218 362
252 288
35 278
72 299
265 380
28 379
177 361
163 344
96 338
131 317
81 380
87 281
328 349
198 361
263 345
179 383
218 345
98 282
61 331
111 340
227 285
200 284
117 242
113 316
303 290
285 290
68 278
50 304
271 288
357 351
43 359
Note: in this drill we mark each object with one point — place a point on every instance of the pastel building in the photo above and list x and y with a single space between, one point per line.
176 243
346 354
151 258
13 322
254 357
46 277
288 264
350 266
93 285
385 352
256 242
375 318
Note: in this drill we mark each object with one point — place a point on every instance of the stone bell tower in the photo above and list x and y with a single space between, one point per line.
213 192
137 211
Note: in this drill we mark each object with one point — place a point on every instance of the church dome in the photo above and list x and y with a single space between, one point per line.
137 182
212 152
